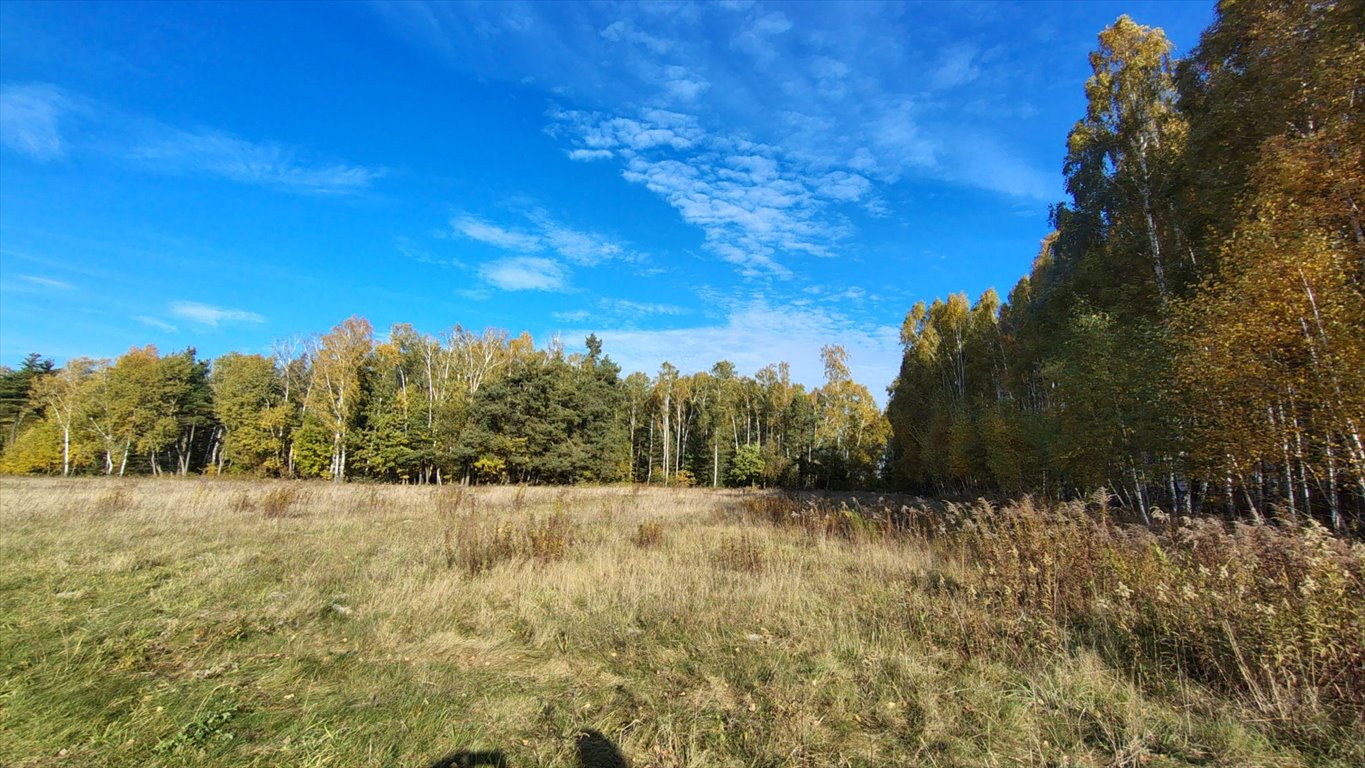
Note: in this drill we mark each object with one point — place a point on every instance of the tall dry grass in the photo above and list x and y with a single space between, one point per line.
1273 615
475 541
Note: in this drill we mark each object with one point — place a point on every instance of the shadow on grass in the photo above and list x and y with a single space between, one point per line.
597 751
594 751
464 759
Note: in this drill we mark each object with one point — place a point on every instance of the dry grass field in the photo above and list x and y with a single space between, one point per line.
238 623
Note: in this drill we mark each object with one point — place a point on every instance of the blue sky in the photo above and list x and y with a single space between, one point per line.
690 181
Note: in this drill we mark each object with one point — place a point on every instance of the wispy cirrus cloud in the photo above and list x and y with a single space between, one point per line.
155 322
618 311
624 30
29 119
858 87
572 316
211 316
499 237
48 123
212 153
958 65
579 246
534 231
628 307
756 37
524 273
546 248
46 282
754 203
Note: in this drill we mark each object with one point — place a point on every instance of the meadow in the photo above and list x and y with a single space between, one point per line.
250 623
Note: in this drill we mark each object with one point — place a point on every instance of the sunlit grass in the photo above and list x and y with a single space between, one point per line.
169 623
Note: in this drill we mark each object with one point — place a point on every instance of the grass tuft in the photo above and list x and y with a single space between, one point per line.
278 500
475 543
742 552
649 534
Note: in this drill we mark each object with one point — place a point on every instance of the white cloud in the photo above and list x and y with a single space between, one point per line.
756 334
623 31
855 86
842 185
957 66
29 116
211 316
579 247
537 233
828 69
895 133
47 282
590 154
683 85
638 308
29 122
576 246
496 236
575 316
841 102
412 251
524 273
753 203
996 168
155 323
655 129
756 39
170 150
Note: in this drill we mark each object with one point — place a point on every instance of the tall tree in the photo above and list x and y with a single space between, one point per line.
17 406
189 399
550 418
134 410
249 404
60 397
1122 156
665 385
339 361
852 431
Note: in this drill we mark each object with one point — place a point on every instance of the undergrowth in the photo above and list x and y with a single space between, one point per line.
1272 615
474 541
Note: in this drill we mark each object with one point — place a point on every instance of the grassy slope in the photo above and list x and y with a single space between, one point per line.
148 623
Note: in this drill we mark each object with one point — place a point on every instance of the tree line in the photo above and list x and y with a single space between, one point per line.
1191 337
418 408
1192 333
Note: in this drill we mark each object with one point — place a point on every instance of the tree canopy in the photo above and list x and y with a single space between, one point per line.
1192 333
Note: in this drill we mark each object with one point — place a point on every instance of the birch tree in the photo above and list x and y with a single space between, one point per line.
60 395
339 361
